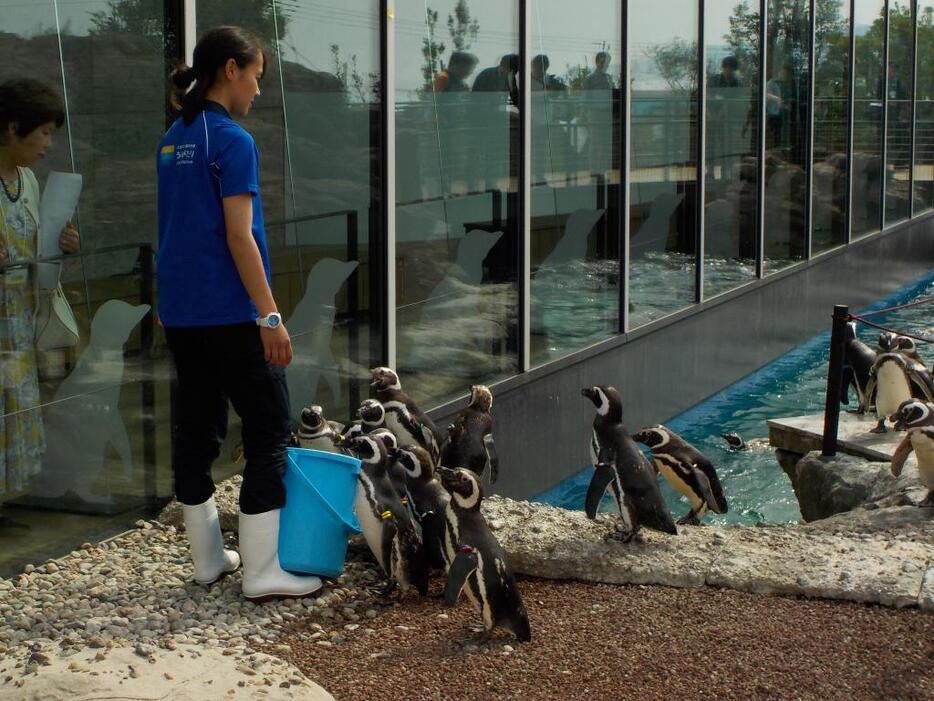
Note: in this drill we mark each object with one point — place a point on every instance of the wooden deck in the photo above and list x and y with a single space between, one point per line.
803 434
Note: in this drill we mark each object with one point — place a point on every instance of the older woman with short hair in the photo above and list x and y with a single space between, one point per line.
30 112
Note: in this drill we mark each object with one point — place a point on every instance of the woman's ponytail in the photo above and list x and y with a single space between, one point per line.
211 54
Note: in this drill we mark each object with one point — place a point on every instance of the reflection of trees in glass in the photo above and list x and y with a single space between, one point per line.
463 30
143 18
676 62
925 78
462 26
352 82
576 76
743 40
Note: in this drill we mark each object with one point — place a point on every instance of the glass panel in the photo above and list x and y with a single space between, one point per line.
732 165
786 133
332 112
831 123
869 88
898 129
663 157
457 165
66 482
924 110
576 109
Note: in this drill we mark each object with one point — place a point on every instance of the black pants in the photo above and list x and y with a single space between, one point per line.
214 364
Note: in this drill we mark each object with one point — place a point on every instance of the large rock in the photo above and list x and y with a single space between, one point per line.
890 568
827 486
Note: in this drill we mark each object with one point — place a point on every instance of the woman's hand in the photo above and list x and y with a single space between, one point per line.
69 241
277 344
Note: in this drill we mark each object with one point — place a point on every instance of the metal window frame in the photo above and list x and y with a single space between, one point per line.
885 120
914 101
624 179
524 258
760 147
851 127
387 63
809 156
701 154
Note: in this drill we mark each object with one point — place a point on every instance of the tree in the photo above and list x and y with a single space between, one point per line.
676 62
462 27
431 50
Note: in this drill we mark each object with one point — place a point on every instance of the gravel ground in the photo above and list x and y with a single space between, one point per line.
630 642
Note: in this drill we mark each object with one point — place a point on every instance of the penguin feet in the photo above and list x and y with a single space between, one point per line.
880 428
689 519
621 536
928 501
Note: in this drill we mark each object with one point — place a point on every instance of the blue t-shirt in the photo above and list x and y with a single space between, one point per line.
198 165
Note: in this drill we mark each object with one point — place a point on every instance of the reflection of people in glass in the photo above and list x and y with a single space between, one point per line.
30 112
599 79
500 78
221 320
541 79
727 77
454 77
776 91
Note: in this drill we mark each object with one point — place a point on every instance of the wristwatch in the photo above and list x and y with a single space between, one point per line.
270 321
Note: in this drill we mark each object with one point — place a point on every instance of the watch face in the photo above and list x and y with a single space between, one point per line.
273 320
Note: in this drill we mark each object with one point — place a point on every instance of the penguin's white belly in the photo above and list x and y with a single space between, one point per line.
892 389
924 450
371 526
675 480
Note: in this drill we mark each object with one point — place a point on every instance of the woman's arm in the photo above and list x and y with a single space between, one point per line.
238 218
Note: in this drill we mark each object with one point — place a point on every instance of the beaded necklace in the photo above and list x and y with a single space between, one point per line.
19 188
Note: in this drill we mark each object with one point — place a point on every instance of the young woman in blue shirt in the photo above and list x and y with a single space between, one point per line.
221 320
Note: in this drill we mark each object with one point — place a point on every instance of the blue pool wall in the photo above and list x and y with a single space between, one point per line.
665 368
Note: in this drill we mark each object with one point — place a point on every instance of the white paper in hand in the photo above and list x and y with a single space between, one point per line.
59 201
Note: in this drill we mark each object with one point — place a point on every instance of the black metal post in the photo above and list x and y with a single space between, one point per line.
834 379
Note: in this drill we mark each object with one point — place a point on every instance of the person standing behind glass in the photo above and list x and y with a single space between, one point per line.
222 324
775 90
30 112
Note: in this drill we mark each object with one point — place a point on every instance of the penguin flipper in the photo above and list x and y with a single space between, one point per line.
900 457
870 390
710 487
922 386
848 379
603 475
463 565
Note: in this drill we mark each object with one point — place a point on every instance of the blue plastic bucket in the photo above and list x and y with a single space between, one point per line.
318 515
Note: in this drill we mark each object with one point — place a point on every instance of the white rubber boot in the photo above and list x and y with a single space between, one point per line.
210 558
263 578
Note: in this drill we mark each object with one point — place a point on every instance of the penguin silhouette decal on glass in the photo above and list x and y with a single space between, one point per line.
452 322
478 562
621 466
311 326
687 470
84 419
917 418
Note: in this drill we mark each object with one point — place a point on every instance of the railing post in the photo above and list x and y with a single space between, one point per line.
834 379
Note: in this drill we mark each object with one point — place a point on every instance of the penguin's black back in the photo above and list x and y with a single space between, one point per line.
398 395
464 446
635 473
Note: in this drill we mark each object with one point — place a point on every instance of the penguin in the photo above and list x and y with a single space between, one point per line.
687 470
370 416
895 379
918 419
387 437
427 499
403 417
477 562
470 438
734 441
620 465
890 342
386 523
857 366
316 432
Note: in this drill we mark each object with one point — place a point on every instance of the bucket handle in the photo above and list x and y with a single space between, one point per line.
352 526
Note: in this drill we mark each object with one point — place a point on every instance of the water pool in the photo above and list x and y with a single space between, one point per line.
755 486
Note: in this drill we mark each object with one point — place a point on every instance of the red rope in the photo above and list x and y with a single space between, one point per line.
922 339
925 300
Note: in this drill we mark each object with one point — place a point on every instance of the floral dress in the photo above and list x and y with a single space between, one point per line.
22 439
